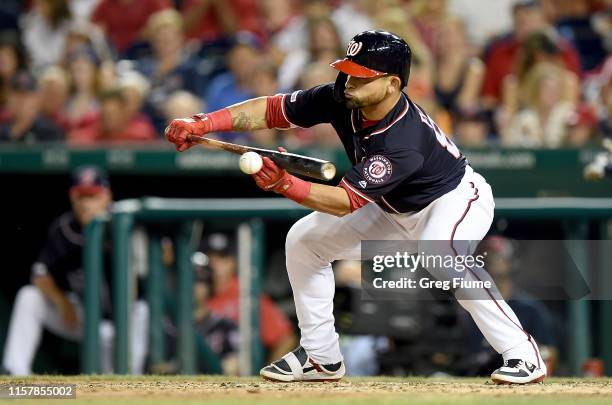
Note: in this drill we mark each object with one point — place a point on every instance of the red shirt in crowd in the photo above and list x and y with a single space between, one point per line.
123 20
139 129
501 61
246 13
274 324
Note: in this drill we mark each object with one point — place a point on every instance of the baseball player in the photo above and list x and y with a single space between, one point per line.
54 298
408 182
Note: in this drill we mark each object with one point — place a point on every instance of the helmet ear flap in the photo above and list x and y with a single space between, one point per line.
339 87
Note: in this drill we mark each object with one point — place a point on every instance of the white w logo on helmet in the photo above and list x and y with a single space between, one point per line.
353 48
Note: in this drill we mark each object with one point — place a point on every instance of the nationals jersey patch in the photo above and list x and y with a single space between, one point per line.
377 169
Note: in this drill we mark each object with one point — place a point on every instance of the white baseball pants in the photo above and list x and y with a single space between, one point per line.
32 312
464 214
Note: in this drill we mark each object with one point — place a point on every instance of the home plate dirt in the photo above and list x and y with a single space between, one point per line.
414 390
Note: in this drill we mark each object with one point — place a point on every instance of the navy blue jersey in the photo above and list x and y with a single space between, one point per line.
402 163
62 258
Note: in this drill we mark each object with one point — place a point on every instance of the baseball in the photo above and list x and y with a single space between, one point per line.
250 162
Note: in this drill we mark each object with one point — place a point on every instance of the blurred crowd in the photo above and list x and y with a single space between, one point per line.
523 73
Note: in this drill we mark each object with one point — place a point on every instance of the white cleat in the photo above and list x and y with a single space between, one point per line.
298 366
515 371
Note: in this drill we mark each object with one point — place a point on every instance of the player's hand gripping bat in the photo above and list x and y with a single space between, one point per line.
293 163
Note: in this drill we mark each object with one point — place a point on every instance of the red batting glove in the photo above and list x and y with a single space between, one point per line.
272 178
179 130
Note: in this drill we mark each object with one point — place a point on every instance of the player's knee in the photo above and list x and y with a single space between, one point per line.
30 298
298 237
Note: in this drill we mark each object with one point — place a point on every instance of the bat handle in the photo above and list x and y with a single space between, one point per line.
195 138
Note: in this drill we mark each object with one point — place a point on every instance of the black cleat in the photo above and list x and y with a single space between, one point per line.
515 371
298 366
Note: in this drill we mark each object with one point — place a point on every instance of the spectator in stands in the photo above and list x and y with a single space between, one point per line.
23 122
123 20
54 87
429 18
53 300
502 54
235 85
216 338
574 22
83 106
115 124
87 35
459 73
207 20
172 67
550 99
182 103
581 127
483 22
44 29
13 59
135 88
538 47
471 130
221 334
82 9
285 28
354 16
324 45
276 331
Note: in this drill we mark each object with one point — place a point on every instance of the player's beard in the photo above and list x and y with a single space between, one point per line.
355 102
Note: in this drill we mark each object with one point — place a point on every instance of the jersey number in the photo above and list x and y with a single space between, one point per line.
440 136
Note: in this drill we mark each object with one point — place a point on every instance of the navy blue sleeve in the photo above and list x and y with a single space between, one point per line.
379 174
53 249
305 108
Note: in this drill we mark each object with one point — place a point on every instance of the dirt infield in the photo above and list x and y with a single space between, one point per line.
102 390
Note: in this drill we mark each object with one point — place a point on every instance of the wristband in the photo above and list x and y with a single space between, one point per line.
217 121
293 188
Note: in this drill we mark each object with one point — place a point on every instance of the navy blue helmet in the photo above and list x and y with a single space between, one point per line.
375 53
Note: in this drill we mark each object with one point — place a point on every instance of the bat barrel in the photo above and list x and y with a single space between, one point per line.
302 165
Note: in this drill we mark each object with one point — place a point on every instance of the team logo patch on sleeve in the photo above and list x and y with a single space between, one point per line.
377 169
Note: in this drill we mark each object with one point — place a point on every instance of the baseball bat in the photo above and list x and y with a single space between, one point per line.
292 162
